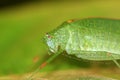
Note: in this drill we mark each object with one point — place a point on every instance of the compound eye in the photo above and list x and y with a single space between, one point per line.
48 35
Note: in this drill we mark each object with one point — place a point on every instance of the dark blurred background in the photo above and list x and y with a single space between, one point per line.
7 3
23 23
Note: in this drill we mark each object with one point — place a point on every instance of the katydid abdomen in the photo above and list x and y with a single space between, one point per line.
94 39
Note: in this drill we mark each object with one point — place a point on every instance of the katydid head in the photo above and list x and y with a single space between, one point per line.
57 37
51 43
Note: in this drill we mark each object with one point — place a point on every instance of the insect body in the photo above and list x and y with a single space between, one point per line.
91 38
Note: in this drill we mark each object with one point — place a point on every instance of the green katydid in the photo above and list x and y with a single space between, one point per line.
91 38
